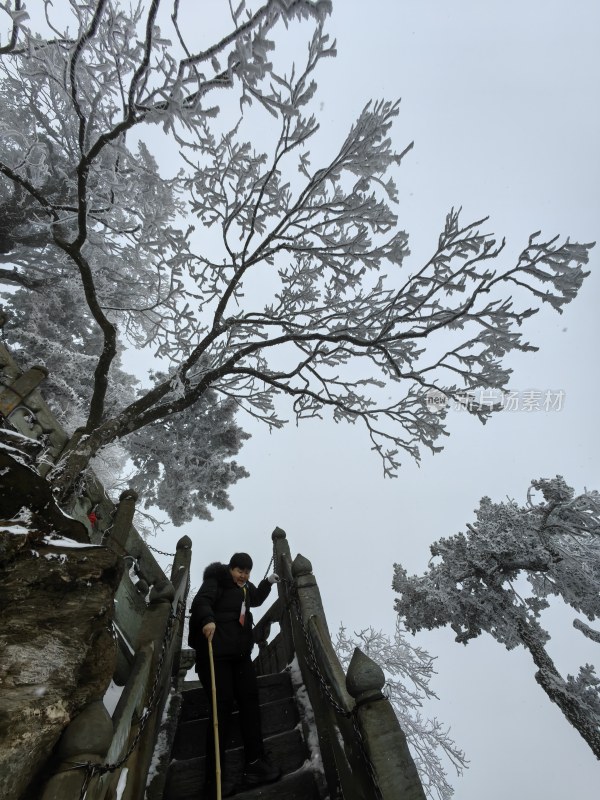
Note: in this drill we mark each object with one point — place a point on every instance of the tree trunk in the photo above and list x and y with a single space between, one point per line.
78 453
557 690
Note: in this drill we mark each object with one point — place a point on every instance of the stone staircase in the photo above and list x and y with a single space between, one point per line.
126 748
283 737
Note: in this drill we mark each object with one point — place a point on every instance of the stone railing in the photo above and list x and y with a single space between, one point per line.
105 756
98 754
363 748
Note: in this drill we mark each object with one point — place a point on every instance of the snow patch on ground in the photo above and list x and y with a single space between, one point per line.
56 557
16 435
60 541
162 747
19 524
15 529
122 783
307 717
17 455
24 515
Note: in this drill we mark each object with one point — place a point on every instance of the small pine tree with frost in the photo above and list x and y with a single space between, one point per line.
475 583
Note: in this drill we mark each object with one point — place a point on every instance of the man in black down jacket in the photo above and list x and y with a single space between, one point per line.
221 614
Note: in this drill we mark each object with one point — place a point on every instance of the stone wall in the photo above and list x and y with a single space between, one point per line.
57 651
57 598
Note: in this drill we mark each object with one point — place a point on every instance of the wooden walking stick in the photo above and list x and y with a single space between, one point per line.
215 720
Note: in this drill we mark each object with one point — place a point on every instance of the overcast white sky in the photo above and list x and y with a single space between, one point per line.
501 99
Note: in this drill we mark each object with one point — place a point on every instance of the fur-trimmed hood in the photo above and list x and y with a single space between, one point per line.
219 572
219 600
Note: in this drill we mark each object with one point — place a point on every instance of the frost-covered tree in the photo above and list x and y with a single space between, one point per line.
50 326
497 577
189 466
294 282
408 671
182 466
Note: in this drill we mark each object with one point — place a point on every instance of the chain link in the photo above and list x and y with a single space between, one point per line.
160 552
270 565
92 769
313 661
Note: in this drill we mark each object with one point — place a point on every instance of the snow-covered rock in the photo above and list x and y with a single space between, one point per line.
57 652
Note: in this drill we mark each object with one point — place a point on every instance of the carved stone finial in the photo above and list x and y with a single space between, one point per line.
278 533
185 543
128 494
301 566
365 678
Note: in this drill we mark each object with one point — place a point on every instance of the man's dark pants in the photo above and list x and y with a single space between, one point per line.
235 680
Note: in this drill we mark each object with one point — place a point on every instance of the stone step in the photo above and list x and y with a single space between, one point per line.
299 785
276 717
185 779
195 701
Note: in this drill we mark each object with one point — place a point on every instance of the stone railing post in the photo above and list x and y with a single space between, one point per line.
168 725
311 606
123 519
124 538
383 739
181 566
281 551
151 637
309 595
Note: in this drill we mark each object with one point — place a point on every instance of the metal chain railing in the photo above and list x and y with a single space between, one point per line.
293 601
160 552
271 562
367 760
92 769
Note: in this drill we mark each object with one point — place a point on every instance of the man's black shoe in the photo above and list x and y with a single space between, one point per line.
261 771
